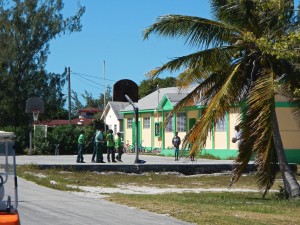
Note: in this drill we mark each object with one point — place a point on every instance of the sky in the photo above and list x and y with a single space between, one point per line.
110 46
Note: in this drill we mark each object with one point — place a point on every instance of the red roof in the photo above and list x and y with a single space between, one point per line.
77 121
90 110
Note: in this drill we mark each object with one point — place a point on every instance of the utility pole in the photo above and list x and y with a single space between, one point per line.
104 94
69 94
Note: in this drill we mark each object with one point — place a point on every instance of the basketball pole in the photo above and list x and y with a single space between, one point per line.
136 113
69 94
104 95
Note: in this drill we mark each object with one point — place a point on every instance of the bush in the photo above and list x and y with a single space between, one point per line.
44 143
22 137
282 194
65 136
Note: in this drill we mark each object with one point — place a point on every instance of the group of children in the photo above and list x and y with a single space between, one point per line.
100 140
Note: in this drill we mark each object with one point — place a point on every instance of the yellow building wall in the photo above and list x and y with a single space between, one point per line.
127 132
289 128
192 114
233 121
146 132
209 141
168 138
220 140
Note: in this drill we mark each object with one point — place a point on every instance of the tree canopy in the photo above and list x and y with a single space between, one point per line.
148 86
242 56
27 27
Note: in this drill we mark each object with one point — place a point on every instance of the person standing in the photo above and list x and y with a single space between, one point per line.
100 145
237 135
94 145
81 142
176 141
119 147
110 146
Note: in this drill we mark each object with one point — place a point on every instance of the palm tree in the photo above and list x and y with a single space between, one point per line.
245 58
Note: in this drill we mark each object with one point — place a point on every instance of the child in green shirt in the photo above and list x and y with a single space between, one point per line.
119 147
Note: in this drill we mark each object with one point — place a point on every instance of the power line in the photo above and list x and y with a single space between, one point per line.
82 74
89 81
83 78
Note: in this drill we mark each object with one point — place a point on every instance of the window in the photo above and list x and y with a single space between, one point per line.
146 123
221 125
181 122
115 129
129 123
169 127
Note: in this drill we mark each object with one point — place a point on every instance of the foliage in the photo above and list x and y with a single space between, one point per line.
41 144
75 104
27 27
90 102
66 136
22 137
282 194
249 48
146 87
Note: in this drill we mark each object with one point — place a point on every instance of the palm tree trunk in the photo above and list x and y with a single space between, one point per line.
290 183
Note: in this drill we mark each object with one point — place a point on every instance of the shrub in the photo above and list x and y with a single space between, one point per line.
65 136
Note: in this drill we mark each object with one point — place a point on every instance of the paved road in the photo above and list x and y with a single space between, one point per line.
43 206
127 159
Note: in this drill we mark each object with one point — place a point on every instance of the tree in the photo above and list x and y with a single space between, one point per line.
248 50
75 104
148 86
97 103
27 27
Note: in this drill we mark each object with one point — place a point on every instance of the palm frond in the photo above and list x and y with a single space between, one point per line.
191 76
198 32
215 110
238 13
209 60
257 132
254 14
289 86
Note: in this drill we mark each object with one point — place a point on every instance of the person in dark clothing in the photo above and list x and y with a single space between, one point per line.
94 146
100 145
176 141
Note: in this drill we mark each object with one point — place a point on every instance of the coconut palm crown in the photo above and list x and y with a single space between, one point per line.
246 56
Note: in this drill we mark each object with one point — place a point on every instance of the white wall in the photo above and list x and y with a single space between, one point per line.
112 121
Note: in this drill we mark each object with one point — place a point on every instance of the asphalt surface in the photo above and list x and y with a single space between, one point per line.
42 206
128 159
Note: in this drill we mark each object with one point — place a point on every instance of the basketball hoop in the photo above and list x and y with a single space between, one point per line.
35 114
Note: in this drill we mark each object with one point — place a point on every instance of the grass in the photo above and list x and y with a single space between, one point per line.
217 208
200 208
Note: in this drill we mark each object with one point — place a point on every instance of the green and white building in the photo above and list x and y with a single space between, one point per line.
155 107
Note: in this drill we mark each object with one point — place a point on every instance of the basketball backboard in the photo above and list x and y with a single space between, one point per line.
125 87
34 104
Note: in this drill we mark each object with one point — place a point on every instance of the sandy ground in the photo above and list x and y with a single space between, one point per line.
101 192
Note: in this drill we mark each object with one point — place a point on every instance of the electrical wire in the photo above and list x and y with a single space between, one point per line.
82 77
96 77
